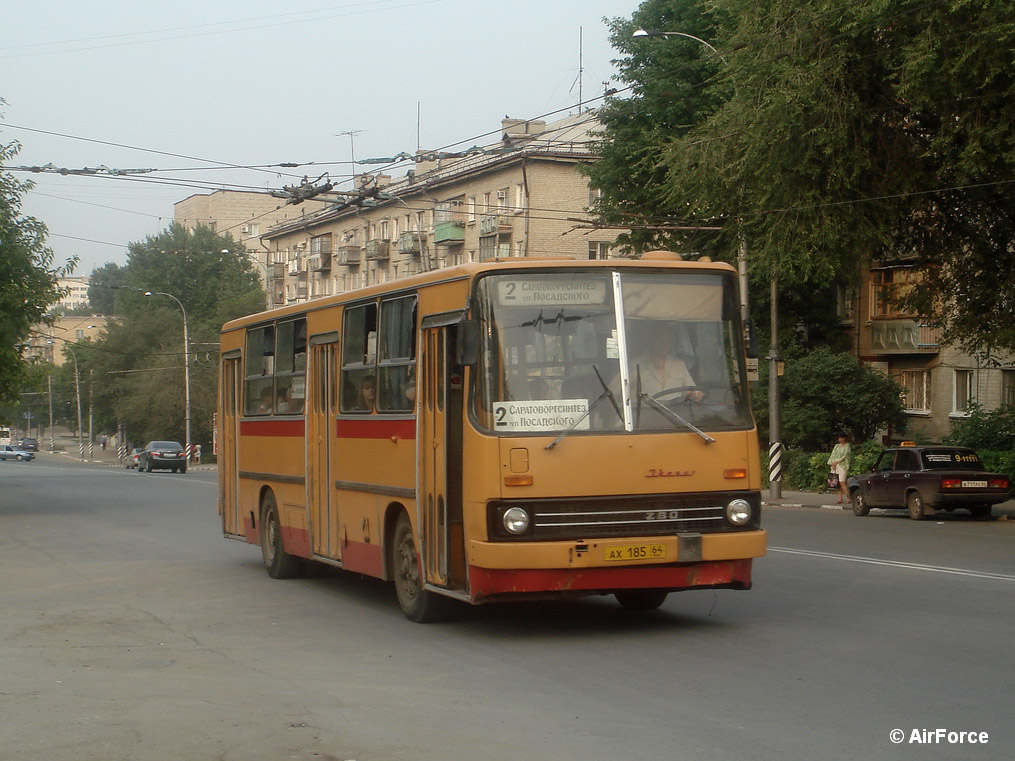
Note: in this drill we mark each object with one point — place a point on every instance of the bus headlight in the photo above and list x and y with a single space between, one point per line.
738 512
516 520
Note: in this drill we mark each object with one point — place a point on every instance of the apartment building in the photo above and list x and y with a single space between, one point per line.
76 293
46 342
522 196
244 215
940 380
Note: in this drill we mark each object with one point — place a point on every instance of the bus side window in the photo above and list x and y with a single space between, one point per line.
359 350
396 376
291 367
259 368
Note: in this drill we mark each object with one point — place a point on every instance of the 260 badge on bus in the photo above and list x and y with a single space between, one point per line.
626 552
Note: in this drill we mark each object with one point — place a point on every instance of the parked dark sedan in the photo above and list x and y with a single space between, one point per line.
925 479
162 455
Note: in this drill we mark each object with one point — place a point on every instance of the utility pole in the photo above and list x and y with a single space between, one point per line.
774 434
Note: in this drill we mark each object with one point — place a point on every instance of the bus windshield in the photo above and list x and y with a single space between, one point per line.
604 351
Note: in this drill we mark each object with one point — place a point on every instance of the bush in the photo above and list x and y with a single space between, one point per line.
808 471
985 430
999 462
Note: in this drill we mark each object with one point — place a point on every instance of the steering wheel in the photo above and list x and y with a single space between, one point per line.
667 393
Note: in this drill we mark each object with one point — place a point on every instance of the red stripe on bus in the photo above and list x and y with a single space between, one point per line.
375 428
487 583
294 428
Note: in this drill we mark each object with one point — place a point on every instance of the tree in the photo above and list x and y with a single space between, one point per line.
825 393
139 356
28 281
824 135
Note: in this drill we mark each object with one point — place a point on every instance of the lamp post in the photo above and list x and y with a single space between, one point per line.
186 368
774 433
77 393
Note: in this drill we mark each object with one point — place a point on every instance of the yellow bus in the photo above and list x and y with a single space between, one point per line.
512 429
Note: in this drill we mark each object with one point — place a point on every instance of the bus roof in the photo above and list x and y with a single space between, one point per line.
469 271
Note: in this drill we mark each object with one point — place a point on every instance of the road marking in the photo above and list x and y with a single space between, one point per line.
897 564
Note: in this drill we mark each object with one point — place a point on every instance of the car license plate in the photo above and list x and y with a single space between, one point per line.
974 484
626 552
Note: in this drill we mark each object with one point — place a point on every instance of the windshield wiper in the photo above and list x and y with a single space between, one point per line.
607 394
673 417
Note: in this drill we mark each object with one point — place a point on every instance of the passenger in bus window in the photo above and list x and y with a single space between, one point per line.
265 406
285 397
367 393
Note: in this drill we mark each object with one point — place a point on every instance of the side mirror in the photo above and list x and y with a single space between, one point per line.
467 345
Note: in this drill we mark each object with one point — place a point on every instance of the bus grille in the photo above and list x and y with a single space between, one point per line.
623 516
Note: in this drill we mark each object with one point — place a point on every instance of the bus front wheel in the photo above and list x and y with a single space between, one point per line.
418 604
279 563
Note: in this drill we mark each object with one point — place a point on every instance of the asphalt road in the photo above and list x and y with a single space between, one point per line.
130 629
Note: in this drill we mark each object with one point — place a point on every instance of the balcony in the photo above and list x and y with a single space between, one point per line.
276 271
293 266
449 232
320 262
377 249
347 255
409 242
493 224
904 337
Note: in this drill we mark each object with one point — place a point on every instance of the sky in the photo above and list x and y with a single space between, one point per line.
195 90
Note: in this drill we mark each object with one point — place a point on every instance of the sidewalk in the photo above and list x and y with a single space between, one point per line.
826 500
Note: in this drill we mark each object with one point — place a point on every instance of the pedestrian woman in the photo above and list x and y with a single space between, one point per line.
838 461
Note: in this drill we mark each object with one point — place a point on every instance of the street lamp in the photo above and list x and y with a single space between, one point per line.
77 393
186 367
774 433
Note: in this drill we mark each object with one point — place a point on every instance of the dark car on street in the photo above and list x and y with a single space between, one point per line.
30 445
924 479
162 455
8 452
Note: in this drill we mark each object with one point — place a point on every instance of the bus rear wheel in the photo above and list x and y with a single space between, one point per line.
641 599
418 604
279 563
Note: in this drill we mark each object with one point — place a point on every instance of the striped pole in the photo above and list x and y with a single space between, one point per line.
775 468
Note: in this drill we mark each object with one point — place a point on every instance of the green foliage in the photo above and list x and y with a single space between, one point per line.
805 470
985 430
999 462
28 281
140 354
824 134
824 393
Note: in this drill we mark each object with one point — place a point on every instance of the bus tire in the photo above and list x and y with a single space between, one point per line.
641 599
419 605
279 563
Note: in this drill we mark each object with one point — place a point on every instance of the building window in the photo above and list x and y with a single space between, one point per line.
964 396
888 288
470 207
520 198
1008 387
916 384
599 250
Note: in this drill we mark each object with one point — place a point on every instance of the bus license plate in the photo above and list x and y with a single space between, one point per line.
634 552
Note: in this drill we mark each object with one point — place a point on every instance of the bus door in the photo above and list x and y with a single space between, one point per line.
227 455
320 401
